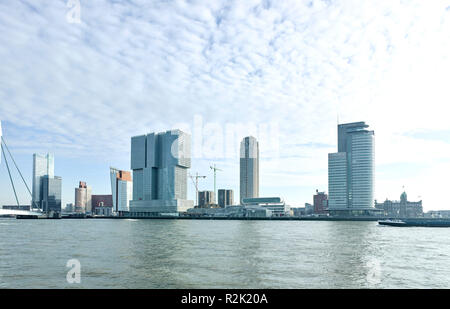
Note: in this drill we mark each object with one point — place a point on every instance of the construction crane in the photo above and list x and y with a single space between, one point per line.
215 169
196 185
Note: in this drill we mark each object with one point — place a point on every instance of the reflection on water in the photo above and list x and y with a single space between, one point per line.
222 254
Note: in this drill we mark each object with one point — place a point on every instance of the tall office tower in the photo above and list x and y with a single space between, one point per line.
83 198
351 170
42 166
225 198
249 168
121 189
160 163
205 198
51 194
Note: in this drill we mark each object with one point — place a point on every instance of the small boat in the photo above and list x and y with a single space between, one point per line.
392 222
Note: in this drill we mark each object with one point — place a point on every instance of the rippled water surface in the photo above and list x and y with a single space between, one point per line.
222 254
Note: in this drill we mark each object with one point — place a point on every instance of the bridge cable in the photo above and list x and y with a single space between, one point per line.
23 179
10 178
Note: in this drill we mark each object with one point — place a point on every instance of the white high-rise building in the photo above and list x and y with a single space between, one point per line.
249 168
42 166
121 189
337 180
351 170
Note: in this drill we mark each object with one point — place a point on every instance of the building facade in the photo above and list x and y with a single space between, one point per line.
122 190
102 210
160 162
225 197
402 208
276 205
320 200
249 168
69 208
51 188
206 198
351 171
309 209
17 207
43 165
104 200
83 198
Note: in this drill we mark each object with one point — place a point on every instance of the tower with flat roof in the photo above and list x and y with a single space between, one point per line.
43 165
121 189
160 162
249 168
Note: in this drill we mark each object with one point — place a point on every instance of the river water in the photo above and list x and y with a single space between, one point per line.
222 254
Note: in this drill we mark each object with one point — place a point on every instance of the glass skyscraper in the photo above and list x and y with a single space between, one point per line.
42 166
160 163
51 194
121 189
351 170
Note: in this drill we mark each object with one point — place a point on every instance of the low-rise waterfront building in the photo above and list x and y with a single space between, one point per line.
103 200
17 207
274 204
298 211
400 209
309 209
69 207
103 210
231 212
437 214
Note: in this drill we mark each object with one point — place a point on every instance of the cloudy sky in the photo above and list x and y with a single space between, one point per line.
79 78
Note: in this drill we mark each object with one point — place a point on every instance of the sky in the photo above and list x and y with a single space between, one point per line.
80 78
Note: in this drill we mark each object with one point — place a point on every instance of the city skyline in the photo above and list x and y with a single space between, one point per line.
312 68
358 127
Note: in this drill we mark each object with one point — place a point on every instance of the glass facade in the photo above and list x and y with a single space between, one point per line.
121 189
51 194
160 162
351 169
361 182
42 166
225 197
337 180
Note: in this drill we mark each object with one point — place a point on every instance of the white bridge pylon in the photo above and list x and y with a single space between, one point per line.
33 211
